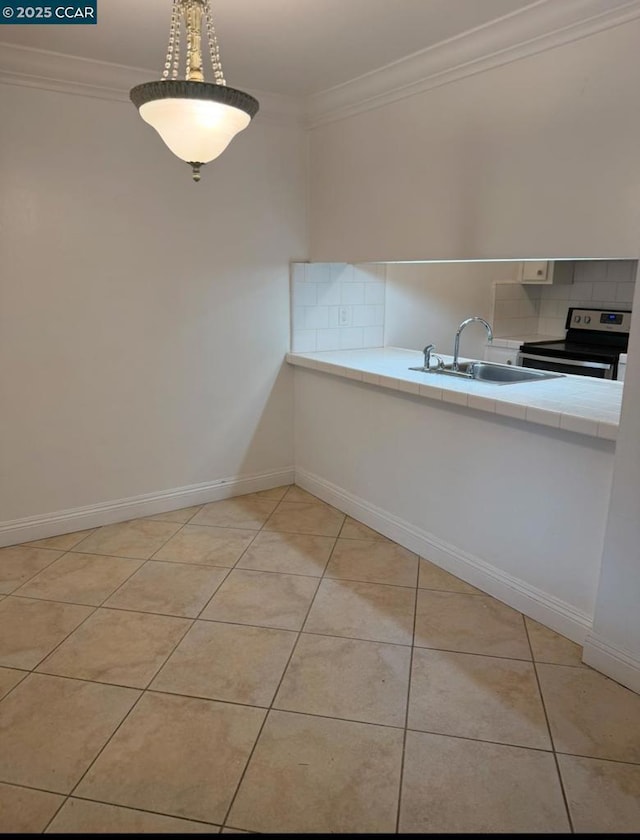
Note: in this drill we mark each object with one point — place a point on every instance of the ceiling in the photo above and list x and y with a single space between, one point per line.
290 47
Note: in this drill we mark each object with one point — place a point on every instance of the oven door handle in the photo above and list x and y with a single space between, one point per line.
571 362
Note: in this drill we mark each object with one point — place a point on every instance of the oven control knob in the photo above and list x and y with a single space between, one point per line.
577 319
587 319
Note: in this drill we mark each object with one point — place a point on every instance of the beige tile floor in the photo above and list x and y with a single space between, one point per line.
267 664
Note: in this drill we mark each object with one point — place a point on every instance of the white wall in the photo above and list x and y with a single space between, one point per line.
514 508
143 318
534 159
426 302
538 158
614 645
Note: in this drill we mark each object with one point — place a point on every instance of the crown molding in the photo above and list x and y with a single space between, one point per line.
102 80
534 29
541 26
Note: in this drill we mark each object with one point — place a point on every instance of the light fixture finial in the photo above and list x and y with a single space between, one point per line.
195 118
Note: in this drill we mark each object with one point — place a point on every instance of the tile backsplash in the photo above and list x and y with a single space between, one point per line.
335 306
516 309
523 310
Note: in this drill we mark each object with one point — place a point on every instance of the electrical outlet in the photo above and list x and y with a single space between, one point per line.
344 316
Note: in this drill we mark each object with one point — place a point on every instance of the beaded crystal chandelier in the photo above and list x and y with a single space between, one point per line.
196 119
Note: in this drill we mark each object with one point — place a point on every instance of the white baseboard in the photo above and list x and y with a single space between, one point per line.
616 663
542 607
105 513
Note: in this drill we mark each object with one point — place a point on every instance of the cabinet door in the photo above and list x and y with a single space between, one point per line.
501 355
537 271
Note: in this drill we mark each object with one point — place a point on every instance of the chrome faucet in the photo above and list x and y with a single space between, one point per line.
465 323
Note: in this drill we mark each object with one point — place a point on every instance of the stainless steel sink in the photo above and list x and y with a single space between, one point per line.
496 374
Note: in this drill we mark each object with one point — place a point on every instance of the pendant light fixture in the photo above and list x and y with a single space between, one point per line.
195 118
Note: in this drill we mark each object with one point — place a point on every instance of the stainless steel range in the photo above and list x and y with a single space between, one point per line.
592 346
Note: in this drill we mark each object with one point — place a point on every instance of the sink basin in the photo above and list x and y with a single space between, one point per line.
497 374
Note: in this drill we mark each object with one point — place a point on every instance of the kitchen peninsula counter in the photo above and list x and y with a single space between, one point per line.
579 404
505 486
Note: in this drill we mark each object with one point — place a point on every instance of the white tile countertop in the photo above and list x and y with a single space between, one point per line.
579 404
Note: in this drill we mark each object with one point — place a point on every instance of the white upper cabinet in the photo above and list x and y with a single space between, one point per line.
546 272
536 271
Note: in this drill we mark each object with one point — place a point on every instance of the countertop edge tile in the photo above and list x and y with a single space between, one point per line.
543 416
455 397
607 431
579 424
430 392
509 409
482 403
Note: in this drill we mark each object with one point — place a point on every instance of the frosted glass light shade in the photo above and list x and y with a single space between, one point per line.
196 130
197 120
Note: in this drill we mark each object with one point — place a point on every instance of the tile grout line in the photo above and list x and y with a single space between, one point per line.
169 693
235 564
35 574
304 714
70 633
142 691
77 603
192 619
124 807
228 569
406 716
299 635
242 554
404 586
56 812
275 694
33 543
143 562
67 795
53 650
105 606
284 671
181 527
73 795
190 521
92 613
13 688
546 717
108 741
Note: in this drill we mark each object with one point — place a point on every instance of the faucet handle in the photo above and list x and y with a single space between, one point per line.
427 354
